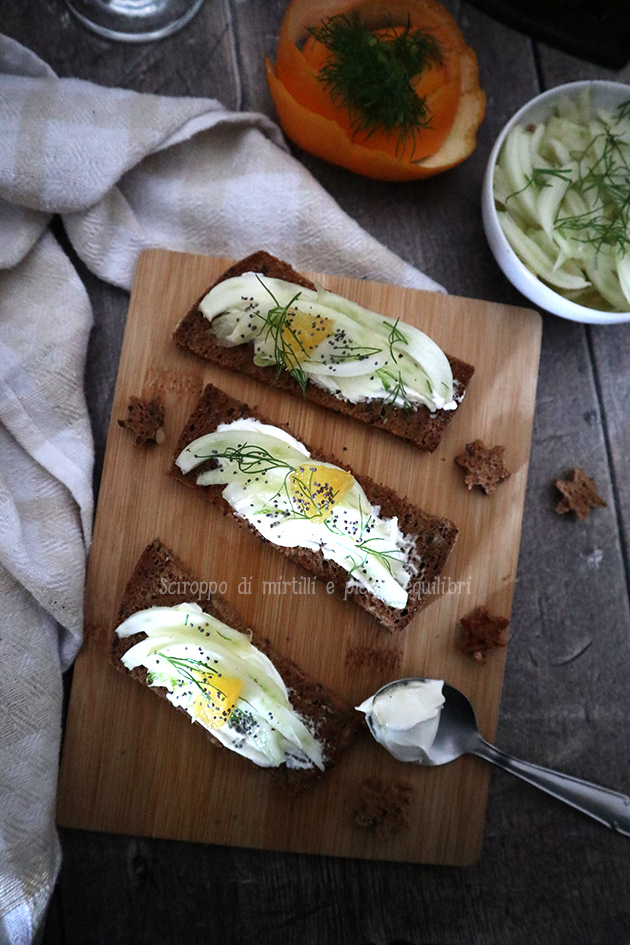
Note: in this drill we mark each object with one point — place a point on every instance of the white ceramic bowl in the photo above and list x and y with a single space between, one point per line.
604 94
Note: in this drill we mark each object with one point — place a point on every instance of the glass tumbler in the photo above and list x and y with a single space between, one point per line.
134 21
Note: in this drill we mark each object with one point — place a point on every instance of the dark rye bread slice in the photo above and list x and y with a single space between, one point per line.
423 428
159 579
434 537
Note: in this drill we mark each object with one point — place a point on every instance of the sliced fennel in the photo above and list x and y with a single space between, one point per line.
325 339
189 653
562 192
296 502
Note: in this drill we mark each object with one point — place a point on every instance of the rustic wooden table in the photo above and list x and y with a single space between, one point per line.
547 875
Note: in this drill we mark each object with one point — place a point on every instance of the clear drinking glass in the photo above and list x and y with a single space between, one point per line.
134 21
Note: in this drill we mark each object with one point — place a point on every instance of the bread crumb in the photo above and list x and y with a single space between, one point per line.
386 660
579 494
484 465
482 632
145 419
175 381
383 806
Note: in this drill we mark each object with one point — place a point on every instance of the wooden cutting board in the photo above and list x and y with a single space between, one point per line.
133 765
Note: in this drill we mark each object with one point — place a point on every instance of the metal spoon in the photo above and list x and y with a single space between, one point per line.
457 735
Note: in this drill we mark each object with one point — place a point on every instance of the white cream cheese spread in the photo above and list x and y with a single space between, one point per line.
404 718
295 502
322 338
223 682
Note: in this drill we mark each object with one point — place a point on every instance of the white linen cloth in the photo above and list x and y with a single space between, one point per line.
125 171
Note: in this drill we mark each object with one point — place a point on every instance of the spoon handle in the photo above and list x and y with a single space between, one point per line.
606 806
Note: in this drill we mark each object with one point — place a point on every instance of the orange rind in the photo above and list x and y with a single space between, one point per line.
311 119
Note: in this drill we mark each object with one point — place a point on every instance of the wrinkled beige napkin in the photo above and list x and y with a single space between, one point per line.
125 171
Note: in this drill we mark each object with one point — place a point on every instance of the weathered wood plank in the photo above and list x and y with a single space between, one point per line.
143 892
558 67
608 345
609 348
571 610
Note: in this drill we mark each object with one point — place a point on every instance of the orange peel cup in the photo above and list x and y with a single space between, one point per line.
310 118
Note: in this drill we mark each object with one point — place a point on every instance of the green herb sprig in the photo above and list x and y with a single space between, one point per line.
196 672
255 460
371 76
395 336
395 387
307 492
276 324
199 675
608 182
603 177
283 354
364 545
251 459
385 556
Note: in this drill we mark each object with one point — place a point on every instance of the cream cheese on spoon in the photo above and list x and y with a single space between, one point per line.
404 717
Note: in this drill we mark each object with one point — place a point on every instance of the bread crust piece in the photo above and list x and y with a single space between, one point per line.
157 581
434 537
420 426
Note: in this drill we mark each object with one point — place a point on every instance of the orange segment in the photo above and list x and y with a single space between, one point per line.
311 119
301 333
213 706
315 489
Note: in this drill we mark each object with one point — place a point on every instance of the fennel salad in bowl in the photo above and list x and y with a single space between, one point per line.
556 201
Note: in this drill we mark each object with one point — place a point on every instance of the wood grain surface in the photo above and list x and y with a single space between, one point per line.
133 765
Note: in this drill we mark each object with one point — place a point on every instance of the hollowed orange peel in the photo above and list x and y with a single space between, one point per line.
311 119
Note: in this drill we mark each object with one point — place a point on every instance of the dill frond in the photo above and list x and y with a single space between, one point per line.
372 75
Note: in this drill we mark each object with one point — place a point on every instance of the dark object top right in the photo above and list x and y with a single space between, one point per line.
595 30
